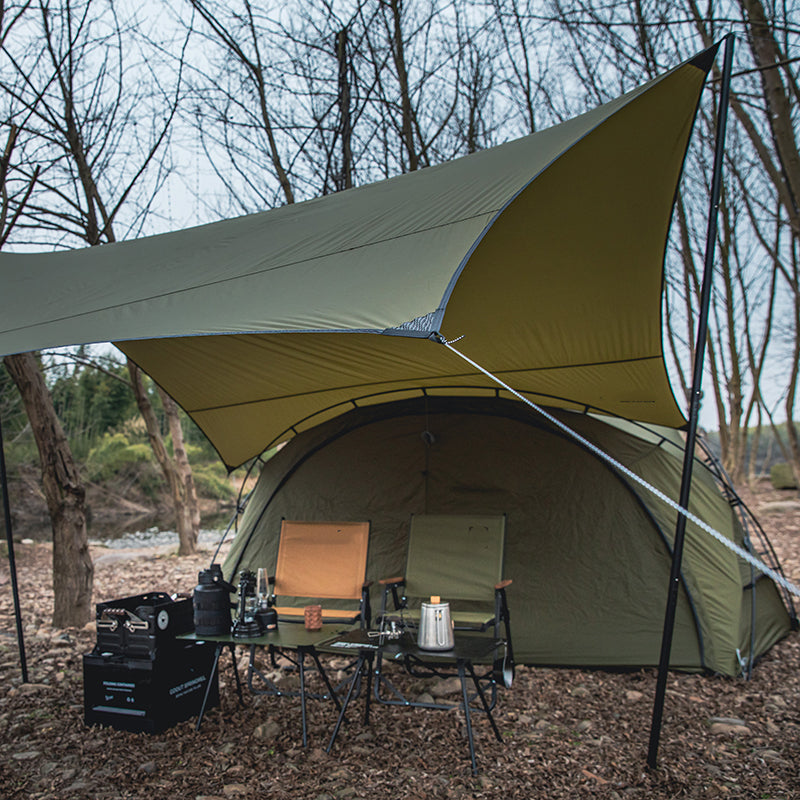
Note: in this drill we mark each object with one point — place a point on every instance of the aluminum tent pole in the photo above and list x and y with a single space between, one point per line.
694 411
12 564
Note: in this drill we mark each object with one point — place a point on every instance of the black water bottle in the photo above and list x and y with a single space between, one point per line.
212 603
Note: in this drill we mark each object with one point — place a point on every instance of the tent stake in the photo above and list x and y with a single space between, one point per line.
12 564
694 411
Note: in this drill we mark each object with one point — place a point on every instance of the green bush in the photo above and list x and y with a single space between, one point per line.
782 477
114 455
211 480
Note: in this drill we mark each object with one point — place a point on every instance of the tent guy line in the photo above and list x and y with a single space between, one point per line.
741 552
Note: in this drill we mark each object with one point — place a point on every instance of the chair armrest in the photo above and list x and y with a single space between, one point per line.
391 585
503 584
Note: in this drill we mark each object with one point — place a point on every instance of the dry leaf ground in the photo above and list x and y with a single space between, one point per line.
566 733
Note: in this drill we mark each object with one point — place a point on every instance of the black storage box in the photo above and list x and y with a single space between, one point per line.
148 694
137 626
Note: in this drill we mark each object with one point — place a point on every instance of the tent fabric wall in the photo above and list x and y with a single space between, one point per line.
589 555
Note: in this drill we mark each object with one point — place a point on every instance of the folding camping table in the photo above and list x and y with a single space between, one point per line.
373 649
287 637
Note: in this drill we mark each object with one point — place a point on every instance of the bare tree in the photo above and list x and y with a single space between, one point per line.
88 116
609 47
73 571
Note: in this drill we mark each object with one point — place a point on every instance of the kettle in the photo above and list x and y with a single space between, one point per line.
435 626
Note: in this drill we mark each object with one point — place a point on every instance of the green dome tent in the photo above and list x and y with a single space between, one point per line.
588 551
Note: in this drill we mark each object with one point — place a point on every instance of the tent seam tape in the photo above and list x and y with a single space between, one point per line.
741 552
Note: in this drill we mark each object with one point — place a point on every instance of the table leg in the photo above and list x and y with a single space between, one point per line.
463 677
217 652
301 658
359 667
486 707
325 678
236 674
369 688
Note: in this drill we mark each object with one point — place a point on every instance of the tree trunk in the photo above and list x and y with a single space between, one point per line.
182 466
184 513
73 571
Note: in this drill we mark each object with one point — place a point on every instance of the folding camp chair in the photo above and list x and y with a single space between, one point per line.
460 559
317 561
322 561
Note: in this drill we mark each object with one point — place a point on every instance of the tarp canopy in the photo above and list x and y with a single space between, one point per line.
545 253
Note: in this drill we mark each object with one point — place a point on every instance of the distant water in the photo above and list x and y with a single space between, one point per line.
154 537
128 531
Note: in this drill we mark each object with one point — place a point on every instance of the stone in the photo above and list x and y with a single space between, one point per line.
269 730
27 755
445 686
234 790
633 696
149 767
779 507
728 726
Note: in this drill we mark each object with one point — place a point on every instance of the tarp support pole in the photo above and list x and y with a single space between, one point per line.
12 564
694 411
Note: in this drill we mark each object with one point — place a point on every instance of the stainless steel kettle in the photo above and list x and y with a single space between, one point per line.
435 626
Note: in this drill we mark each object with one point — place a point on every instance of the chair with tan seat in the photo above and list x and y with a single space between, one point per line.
319 563
322 563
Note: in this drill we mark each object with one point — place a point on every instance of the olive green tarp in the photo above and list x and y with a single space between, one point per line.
589 551
545 253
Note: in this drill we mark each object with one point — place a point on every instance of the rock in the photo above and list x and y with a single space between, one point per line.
580 691
234 790
27 755
633 696
79 786
149 767
268 730
779 507
728 726
425 698
33 688
446 686
585 725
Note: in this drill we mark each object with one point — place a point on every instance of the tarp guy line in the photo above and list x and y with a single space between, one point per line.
748 557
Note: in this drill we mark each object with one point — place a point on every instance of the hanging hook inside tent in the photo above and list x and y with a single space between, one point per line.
428 438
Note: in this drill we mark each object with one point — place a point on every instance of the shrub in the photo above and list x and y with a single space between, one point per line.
211 480
782 476
114 455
